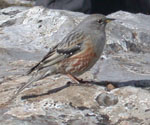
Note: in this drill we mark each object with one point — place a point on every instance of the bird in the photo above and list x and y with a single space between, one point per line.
75 54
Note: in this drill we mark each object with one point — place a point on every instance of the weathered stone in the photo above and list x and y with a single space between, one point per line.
131 107
8 3
106 99
130 31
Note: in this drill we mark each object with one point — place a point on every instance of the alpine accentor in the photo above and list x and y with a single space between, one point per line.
76 53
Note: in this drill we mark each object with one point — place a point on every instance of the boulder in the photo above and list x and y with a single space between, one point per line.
8 3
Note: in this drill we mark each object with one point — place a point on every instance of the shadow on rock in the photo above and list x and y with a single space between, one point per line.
135 83
49 92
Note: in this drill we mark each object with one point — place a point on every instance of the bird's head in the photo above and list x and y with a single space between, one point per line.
96 21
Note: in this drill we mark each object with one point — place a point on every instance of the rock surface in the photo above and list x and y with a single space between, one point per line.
8 3
27 34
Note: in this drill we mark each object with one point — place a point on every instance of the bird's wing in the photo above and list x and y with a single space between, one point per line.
70 45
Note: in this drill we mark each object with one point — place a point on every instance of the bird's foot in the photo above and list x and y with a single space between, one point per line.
77 80
81 82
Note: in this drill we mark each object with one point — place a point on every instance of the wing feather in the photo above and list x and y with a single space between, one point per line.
69 46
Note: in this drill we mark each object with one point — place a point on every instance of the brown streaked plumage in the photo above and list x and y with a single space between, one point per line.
77 52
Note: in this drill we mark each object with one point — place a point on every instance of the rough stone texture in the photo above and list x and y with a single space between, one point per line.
27 34
8 3
106 99
20 1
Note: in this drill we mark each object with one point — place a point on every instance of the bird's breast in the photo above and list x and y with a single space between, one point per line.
81 61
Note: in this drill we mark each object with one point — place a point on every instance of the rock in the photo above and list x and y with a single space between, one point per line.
27 34
31 30
38 120
20 1
106 99
130 32
131 108
8 3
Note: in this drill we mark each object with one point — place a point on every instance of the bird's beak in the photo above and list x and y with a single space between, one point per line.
109 20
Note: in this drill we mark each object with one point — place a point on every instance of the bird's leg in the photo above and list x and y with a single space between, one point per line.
75 79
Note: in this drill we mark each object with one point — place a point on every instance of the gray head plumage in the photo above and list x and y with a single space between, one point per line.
95 21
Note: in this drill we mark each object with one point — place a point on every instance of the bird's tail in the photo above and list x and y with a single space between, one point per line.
30 81
35 77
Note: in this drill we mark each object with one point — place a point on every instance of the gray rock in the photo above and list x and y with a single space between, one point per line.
27 34
38 120
7 3
36 28
20 1
131 108
130 31
106 99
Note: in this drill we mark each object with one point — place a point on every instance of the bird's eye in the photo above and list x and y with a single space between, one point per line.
100 21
